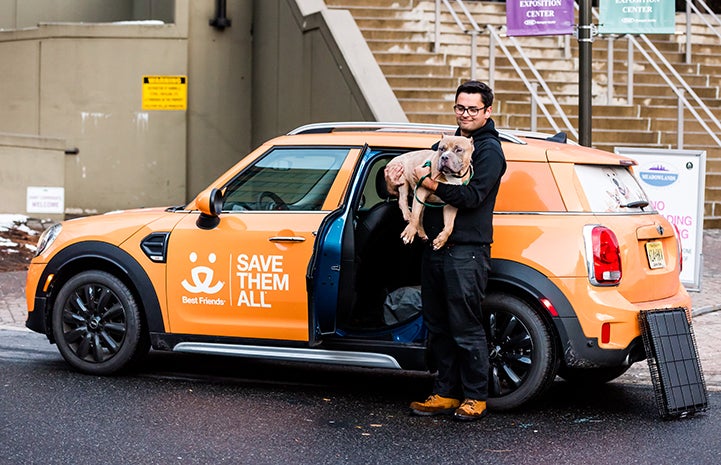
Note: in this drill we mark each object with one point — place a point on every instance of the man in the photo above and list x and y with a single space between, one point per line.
454 278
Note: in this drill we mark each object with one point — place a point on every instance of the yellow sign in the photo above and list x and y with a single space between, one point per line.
165 92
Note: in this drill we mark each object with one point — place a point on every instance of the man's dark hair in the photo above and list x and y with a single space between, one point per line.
477 87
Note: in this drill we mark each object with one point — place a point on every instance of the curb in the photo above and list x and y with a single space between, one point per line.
705 310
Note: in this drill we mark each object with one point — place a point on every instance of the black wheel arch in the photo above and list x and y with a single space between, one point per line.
578 350
100 256
531 286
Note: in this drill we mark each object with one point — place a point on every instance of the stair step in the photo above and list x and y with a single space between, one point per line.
401 35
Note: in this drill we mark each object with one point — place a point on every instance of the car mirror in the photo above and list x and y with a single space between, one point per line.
210 204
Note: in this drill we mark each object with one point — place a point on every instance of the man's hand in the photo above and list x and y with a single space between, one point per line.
394 178
419 172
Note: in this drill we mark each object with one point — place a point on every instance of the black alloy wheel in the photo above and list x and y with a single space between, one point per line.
97 324
522 357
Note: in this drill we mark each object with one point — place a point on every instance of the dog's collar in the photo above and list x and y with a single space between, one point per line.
427 164
463 175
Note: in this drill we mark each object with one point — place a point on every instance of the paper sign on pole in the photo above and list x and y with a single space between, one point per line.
674 181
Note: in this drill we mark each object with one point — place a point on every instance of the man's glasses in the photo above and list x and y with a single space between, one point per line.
472 111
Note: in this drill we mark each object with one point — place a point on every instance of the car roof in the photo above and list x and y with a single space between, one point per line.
517 145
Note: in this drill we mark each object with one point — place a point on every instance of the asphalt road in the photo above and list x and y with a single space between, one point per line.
192 410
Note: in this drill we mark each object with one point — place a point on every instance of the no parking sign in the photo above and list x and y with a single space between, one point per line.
674 181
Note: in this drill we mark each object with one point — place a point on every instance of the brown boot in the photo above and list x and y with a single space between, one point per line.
470 410
435 405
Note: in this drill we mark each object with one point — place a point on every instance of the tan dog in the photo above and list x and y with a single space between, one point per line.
450 164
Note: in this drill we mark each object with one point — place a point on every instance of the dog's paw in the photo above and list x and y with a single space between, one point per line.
439 242
422 234
408 234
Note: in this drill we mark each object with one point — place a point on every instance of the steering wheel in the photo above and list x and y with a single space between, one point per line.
270 201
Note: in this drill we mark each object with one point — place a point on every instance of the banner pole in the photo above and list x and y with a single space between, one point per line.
584 73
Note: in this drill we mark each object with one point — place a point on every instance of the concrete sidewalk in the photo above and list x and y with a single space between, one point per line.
706 317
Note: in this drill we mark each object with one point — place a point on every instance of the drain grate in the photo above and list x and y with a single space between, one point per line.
673 360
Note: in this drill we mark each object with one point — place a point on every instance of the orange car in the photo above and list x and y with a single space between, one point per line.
295 254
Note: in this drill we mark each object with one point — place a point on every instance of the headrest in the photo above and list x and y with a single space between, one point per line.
381 186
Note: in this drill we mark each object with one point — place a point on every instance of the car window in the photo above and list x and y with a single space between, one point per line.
285 178
611 189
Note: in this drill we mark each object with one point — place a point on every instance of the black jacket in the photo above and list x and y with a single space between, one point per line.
475 200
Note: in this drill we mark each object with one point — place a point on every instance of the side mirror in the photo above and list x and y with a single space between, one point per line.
210 204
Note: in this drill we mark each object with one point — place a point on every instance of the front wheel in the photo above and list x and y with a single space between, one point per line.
522 355
97 324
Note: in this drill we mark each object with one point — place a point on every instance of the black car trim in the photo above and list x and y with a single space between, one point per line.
68 261
578 350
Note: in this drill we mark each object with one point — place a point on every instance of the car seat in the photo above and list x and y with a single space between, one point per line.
381 257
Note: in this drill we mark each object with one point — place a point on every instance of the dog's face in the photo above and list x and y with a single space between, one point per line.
454 154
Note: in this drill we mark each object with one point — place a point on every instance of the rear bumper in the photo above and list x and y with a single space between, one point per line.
599 307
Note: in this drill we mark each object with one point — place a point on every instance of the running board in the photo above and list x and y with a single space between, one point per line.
330 357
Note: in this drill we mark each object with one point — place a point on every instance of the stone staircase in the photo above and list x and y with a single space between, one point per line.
400 33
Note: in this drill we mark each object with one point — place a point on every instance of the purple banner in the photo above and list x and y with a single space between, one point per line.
539 17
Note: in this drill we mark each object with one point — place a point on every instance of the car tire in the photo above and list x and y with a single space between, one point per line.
97 324
591 376
522 355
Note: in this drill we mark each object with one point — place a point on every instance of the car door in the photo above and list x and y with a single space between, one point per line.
246 277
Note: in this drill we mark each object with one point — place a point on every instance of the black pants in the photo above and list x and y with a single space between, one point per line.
453 285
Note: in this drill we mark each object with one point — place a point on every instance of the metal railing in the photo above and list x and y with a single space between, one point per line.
680 87
495 39
691 6
532 87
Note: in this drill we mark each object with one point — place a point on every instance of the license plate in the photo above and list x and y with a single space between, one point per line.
654 253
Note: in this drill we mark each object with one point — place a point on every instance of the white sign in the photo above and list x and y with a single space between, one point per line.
45 200
674 181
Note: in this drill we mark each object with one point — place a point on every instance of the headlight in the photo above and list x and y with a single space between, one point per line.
47 238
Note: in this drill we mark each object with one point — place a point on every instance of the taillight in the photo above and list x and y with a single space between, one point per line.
603 257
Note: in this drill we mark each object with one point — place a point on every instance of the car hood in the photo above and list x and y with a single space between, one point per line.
113 228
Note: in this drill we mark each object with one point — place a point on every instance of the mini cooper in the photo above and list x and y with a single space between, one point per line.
295 254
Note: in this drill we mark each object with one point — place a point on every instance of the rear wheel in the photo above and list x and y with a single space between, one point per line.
523 361
97 324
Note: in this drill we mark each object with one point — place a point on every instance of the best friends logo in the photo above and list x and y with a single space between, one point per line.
658 175
255 276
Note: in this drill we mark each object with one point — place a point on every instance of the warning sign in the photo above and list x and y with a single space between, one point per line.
165 92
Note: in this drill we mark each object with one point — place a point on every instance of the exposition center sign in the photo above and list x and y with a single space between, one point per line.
637 17
539 17
674 181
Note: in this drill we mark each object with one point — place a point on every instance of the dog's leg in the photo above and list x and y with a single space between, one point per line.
411 230
403 201
449 217
421 231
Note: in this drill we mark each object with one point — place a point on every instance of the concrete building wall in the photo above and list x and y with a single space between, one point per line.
311 64
280 64
82 83
18 14
35 162
220 91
